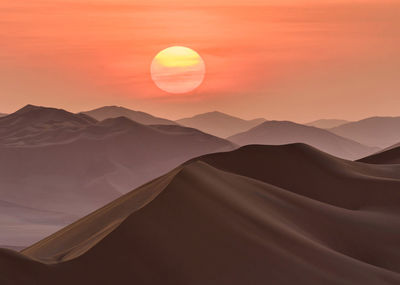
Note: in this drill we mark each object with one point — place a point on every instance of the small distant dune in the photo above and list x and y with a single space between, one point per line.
285 132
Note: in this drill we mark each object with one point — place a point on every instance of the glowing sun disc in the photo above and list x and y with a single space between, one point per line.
177 69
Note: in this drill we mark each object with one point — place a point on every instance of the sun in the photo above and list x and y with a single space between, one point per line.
177 70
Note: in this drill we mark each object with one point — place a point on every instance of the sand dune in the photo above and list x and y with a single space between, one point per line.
284 132
258 215
391 155
219 124
327 123
108 112
57 161
376 131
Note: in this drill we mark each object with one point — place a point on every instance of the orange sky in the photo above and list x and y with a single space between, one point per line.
297 60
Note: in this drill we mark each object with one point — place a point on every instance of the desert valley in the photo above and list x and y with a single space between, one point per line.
117 196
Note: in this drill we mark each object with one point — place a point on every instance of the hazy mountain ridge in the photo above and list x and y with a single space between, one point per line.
380 132
108 112
285 132
219 124
33 125
70 163
238 209
327 123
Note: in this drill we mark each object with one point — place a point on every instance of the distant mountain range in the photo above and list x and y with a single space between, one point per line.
108 112
53 161
381 132
219 124
327 123
284 132
258 215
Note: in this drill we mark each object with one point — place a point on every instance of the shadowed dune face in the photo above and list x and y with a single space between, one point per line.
389 156
275 214
284 132
56 161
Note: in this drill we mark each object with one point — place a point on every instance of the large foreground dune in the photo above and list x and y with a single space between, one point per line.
258 215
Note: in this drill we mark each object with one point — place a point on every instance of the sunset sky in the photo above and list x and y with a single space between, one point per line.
296 59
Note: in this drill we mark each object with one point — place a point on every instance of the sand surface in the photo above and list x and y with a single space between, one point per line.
258 215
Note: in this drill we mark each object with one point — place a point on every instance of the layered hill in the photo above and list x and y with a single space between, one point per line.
56 161
260 214
380 132
108 112
35 125
284 132
327 123
219 124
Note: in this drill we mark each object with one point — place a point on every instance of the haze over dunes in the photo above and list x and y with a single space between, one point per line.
219 124
327 123
376 131
284 132
108 112
234 218
56 161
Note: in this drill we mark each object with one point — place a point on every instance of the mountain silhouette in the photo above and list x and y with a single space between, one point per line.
380 132
327 123
108 112
219 124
